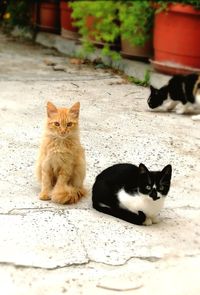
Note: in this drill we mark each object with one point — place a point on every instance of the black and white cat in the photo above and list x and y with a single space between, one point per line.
181 92
131 193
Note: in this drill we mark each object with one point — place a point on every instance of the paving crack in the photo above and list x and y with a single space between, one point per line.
89 261
189 207
119 289
14 211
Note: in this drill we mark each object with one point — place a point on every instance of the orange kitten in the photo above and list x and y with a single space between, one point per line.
61 162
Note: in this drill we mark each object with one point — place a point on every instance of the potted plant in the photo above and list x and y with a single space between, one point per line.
97 24
47 15
176 37
68 30
3 6
136 23
16 13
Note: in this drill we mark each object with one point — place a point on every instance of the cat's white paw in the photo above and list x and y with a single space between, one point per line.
180 111
195 117
155 219
148 221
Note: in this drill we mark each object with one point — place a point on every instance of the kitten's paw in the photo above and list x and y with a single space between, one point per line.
60 197
148 221
180 111
195 117
44 196
155 220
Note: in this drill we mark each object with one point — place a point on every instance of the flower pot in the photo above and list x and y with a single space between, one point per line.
48 17
136 52
67 28
176 39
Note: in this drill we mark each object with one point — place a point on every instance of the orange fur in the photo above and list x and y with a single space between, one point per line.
61 161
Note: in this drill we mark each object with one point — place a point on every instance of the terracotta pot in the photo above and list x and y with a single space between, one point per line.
176 39
136 52
67 28
48 18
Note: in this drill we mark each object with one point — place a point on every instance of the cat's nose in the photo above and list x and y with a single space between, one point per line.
153 194
62 131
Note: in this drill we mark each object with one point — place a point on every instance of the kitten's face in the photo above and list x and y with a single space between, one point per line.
156 98
62 122
154 184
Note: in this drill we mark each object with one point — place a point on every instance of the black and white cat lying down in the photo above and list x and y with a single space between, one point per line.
181 93
131 193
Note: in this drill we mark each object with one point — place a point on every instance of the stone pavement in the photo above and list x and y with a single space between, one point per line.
48 249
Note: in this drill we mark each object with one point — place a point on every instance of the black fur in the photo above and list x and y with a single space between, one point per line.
134 180
180 88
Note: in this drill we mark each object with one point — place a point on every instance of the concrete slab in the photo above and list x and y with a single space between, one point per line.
29 242
52 249
131 68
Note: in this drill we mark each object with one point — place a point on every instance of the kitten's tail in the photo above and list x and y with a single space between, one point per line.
68 195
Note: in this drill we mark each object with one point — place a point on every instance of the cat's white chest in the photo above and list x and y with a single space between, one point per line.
140 203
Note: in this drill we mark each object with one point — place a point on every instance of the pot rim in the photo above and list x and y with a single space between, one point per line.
183 8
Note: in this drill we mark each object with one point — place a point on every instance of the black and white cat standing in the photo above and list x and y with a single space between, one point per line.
181 92
131 193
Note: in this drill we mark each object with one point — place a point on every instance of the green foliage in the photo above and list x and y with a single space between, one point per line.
136 19
97 23
145 82
18 12
163 4
132 20
195 3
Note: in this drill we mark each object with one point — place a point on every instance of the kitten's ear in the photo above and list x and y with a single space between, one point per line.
167 171
74 110
152 88
51 109
143 169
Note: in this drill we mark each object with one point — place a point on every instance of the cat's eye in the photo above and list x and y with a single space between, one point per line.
56 123
161 187
69 124
148 187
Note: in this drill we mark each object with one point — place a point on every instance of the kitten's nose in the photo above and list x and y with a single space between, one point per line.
62 131
153 194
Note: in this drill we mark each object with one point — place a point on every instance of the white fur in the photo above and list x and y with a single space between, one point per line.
197 99
169 104
190 107
140 202
196 117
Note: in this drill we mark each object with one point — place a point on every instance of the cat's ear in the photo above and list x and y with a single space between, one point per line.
74 110
167 172
143 169
51 109
152 88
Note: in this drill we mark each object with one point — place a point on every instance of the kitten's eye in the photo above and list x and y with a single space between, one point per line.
148 187
161 188
69 124
56 123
